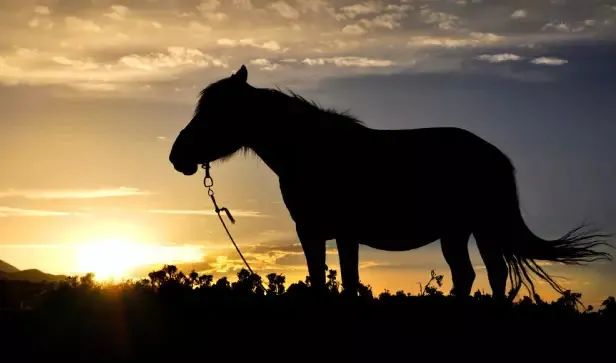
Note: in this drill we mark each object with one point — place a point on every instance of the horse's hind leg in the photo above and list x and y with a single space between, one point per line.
492 256
455 250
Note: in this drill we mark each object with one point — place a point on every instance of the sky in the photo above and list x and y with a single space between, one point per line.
93 93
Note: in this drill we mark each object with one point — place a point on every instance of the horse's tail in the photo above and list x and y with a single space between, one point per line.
523 250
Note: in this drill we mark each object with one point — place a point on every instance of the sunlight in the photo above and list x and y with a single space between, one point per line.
116 258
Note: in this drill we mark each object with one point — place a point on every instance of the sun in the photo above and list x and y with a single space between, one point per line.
109 258
115 258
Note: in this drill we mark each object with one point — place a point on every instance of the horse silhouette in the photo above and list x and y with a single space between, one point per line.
393 190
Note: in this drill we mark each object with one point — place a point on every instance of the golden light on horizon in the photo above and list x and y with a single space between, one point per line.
116 257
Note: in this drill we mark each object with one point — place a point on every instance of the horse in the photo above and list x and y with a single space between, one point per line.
394 190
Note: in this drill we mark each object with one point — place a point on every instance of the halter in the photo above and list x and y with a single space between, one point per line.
208 182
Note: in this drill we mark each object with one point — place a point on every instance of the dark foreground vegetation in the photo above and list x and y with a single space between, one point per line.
173 315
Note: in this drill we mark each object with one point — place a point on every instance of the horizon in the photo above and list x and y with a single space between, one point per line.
93 96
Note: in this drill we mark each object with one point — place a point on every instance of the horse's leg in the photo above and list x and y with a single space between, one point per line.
455 250
314 250
492 256
348 252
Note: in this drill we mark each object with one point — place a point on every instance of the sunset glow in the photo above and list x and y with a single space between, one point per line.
115 258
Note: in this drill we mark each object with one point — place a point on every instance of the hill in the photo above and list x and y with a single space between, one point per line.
5 267
31 275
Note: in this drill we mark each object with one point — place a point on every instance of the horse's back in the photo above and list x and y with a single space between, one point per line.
448 143
389 183
412 155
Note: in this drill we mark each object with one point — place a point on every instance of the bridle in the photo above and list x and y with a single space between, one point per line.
208 182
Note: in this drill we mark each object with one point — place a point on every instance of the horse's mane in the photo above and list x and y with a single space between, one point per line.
343 118
311 108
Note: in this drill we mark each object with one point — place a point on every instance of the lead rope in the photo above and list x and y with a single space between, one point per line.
208 182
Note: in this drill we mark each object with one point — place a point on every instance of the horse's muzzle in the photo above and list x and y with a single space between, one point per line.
186 168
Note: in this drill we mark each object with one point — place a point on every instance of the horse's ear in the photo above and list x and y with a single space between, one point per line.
241 75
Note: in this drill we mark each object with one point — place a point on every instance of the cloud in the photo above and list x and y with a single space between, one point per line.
76 63
353 29
94 86
118 12
280 255
73 193
208 5
285 10
519 14
342 44
173 58
198 27
368 7
20 212
560 27
43 23
360 62
243 4
207 212
207 9
248 42
388 21
278 246
42 10
271 45
265 257
28 53
474 39
499 58
312 5
216 16
76 24
398 8
444 21
87 74
228 42
569 28
264 64
90 49
549 61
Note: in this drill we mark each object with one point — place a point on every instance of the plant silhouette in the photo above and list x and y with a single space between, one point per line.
428 289
178 314
275 284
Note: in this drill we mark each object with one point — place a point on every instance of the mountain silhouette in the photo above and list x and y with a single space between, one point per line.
6 267
10 272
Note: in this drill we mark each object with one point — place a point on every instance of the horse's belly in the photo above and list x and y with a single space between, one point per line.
397 244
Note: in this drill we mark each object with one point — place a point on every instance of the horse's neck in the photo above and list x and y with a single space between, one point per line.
283 130
277 157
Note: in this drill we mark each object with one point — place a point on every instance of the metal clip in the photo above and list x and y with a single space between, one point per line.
208 182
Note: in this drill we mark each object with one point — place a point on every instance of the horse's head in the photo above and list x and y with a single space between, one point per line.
217 128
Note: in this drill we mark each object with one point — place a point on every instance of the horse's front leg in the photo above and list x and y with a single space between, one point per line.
314 250
348 252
